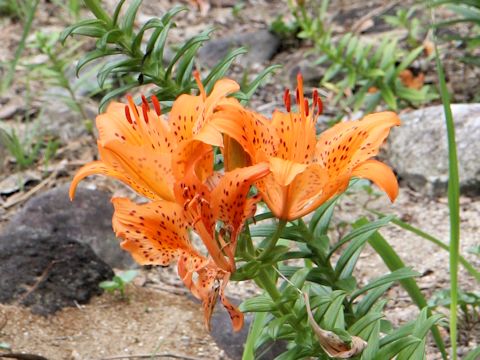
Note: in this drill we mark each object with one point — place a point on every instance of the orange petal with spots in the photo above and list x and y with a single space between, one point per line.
94 167
380 174
307 192
154 233
236 316
251 130
149 173
114 166
229 198
297 134
151 133
233 154
191 113
274 195
284 171
345 145
193 155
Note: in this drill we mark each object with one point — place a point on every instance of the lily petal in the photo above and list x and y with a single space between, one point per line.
250 129
284 171
347 144
380 174
154 233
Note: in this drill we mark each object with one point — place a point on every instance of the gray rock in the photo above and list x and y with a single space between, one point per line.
233 342
418 149
48 272
88 220
261 46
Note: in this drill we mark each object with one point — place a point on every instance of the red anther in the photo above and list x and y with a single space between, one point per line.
315 97
133 107
145 109
156 105
320 106
145 101
305 101
127 114
297 96
286 100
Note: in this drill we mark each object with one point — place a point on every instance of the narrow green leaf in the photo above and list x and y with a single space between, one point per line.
364 306
91 56
391 350
130 15
96 9
400 274
365 230
473 355
116 13
387 95
453 203
364 322
393 262
254 332
71 29
260 303
115 94
218 70
194 42
412 55
110 67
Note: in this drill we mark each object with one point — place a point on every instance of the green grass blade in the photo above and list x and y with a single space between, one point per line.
453 203
32 8
465 263
393 262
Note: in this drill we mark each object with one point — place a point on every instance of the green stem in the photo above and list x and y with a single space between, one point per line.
273 241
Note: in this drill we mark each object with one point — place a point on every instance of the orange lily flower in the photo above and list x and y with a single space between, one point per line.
306 171
137 145
156 233
171 163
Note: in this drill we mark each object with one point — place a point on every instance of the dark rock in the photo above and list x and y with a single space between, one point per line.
261 46
88 220
48 272
418 149
233 342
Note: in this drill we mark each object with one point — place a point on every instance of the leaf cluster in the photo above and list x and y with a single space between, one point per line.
27 150
467 12
339 303
360 74
136 59
118 282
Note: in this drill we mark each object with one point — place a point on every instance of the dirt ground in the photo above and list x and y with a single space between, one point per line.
157 320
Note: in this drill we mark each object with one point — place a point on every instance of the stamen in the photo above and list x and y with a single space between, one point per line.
127 114
145 109
315 97
134 108
145 101
196 75
297 96
320 106
305 101
287 100
156 105
314 101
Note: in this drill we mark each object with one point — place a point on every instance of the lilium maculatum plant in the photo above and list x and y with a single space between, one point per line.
170 162
307 170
